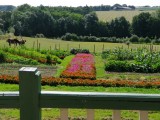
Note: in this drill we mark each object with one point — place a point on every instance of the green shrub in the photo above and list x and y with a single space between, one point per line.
75 51
134 38
39 35
2 57
117 66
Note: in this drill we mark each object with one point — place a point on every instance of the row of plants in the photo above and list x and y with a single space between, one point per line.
31 54
138 60
52 81
10 58
59 53
81 66
133 39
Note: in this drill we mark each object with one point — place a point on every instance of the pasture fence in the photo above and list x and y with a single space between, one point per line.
93 47
30 99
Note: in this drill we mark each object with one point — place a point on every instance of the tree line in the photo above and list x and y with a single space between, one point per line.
52 22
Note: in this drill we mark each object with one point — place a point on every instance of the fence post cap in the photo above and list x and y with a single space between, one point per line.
28 69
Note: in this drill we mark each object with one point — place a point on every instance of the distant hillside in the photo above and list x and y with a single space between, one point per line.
109 15
7 7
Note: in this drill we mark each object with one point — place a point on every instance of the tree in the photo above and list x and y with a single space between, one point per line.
91 24
119 27
141 24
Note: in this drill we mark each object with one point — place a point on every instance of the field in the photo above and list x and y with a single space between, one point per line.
52 44
109 15
48 70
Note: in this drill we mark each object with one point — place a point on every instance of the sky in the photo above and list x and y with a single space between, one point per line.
75 3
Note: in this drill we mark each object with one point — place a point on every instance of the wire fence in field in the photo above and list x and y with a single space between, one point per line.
93 47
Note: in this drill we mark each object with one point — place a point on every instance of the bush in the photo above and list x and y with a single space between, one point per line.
2 57
39 35
70 37
117 66
75 51
49 59
134 38
147 40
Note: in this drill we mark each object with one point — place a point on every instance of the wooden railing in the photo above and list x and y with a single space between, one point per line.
30 99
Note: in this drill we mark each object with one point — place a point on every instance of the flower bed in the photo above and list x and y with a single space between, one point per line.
52 81
81 66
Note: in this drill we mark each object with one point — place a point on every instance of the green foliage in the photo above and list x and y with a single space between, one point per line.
28 56
75 51
117 66
63 65
134 38
39 35
2 57
139 60
118 53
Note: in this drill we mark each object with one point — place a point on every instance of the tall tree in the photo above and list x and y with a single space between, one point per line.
141 24
91 24
119 27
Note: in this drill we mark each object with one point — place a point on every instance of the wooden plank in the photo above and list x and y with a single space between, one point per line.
90 114
94 100
143 115
30 87
63 114
116 115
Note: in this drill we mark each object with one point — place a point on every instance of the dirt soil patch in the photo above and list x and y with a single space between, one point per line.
46 71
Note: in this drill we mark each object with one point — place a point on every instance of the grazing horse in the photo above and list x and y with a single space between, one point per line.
22 42
13 41
16 41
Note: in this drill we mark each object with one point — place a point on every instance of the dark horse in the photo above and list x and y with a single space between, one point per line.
22 42
16 41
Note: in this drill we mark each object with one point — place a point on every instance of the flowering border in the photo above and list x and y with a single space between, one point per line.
81 66
52 81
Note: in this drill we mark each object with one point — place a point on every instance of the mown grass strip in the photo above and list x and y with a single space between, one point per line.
63 65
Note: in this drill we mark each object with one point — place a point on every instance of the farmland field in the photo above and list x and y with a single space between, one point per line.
44 43
109 15
48 70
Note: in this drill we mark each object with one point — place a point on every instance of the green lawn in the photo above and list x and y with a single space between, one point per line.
52 114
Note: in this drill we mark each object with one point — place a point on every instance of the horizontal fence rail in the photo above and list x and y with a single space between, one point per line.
30 99
89 100
96 100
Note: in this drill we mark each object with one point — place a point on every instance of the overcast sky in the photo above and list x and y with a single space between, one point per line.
75 3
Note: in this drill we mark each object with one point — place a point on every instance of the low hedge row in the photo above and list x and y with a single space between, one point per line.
52 81
127 66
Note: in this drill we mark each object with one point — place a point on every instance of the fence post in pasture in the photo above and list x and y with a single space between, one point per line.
94 48
55 47
29 88
37 45
79 46
33 45
67 47
103 48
